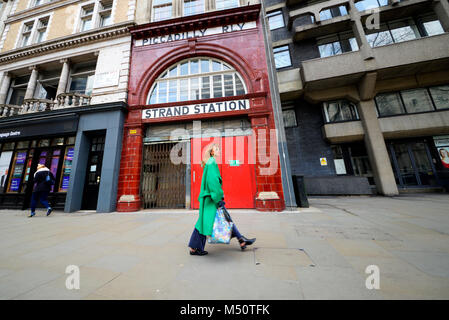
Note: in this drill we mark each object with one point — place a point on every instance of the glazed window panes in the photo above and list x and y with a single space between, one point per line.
8 146
275 19
336 44
193 7
333 12
26 33
440 96
289 117
282 57
226 4
340 110
433 27
86 17
417 100
404 31
105 13
195 79
23 144
17 170
389 104
370 4
41 29
162 9
378 39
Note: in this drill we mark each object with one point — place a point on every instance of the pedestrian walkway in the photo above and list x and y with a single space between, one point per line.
316 253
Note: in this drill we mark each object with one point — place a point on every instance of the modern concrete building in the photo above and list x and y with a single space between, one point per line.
364 87
63 91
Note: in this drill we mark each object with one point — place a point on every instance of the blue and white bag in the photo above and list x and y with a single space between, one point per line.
222 229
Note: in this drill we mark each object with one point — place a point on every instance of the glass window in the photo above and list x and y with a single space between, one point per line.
41 29
275 19
82 77
17 171
23 144
433 28
162 9
417 100
198 78
5 159
403 31
18 89
370 4
282 57
193 7
440 96
379 38
86 17
333 12
105 12
289 117
340 110
389 104
226 4
26 33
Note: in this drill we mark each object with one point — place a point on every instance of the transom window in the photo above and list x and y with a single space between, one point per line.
195 79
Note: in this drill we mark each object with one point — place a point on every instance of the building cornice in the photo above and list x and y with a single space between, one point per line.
205 20
91 36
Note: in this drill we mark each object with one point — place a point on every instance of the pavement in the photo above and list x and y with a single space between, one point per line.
321 252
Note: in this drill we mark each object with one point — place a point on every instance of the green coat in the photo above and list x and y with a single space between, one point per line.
211 193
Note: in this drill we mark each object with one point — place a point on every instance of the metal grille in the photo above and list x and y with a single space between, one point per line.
164 184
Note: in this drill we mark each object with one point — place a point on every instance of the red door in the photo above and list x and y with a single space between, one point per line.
236 171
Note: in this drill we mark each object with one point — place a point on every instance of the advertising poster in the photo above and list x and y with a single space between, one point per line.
17 173
67 169
442 144
5 159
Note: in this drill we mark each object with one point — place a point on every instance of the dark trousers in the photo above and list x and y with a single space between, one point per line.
198 241
39 196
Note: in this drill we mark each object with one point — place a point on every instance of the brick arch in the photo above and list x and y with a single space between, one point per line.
201 50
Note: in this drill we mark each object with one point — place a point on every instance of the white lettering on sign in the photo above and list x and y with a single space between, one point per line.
223 106
9 134
196 33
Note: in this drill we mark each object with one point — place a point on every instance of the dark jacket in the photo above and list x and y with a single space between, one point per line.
40 180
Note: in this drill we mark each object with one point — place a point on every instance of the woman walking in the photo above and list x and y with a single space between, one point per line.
42 187
210 198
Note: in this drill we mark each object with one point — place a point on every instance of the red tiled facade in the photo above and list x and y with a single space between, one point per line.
244 50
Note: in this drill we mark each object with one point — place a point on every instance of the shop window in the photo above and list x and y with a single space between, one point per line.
440 96
340 110
57 141
194 79
192 7
162 9
417 100
360 162
44 143
289 117
226 4
8 146
5 160
70 140
17 171
389 104
282 57
275 19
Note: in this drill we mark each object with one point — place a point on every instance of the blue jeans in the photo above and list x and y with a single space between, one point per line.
42 197
198 241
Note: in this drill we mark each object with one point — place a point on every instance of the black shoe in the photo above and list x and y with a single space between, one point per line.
31 214
247 242
198 252
49 210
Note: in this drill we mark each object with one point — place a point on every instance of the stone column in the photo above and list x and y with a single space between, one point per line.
5 87
359 32
29 94
377 150
441 8
64 78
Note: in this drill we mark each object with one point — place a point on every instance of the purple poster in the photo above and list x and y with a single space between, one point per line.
15 184
65 183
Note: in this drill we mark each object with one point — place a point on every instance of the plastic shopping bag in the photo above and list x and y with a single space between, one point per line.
222 229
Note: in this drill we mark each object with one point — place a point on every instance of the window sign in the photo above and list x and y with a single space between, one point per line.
17 171
66 169
442 144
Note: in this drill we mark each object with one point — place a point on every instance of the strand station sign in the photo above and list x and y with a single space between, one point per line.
198 33
194 109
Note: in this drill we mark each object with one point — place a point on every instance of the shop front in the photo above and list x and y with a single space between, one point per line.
72 143
194 81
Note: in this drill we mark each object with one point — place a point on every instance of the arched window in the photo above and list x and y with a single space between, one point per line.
195 79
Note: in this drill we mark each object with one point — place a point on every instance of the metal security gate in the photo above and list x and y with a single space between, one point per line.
164 183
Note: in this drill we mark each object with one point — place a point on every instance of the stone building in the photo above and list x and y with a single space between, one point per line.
64 77
364 87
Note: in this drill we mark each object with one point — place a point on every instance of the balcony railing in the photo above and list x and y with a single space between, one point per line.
71 99
9 110
64 100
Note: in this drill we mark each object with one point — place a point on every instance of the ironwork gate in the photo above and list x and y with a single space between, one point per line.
163 184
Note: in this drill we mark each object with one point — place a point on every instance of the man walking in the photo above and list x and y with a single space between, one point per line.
43 180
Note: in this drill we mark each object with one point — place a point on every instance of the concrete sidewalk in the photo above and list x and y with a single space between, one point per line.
316 253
